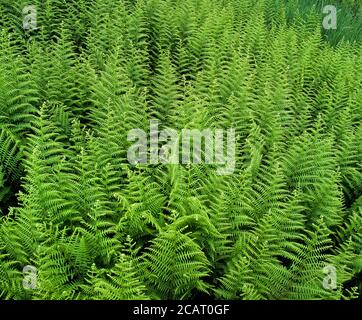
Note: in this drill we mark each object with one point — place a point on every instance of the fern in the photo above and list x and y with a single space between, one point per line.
95 226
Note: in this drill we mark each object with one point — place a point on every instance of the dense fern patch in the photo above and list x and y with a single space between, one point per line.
90 225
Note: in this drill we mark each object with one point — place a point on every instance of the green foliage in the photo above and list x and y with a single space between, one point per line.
96 227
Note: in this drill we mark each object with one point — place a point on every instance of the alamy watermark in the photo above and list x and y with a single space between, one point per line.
29 18
30 279
330 20
191 146
330 280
